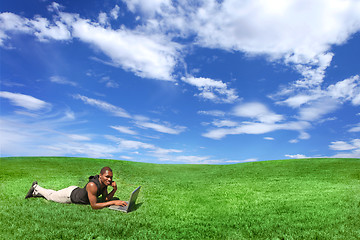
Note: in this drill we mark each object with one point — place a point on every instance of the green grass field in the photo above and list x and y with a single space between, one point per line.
290 199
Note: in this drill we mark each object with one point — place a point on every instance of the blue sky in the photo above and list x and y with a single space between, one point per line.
204 82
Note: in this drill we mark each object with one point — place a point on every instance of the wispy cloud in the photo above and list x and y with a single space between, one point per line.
139 121
62 80
225 123
124 129
318 109
25 101
134 145
161 128
46 136
250 160
162 154
116 111
216 113
269 138
109 82
190 159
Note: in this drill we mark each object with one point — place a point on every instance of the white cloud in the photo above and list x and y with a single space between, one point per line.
140 121
346 90
250 160
134 145
301 36
123 129
301 99
297 156
162 151
258 112
161 154
114 13
263 121
215 113
269 138
353 154
190 159
117 111
213 90
315 104
225 123
342 91
204 82
46 31
256 128
69 115
39 26
161 128
62 80
44 137
349 149
109 82
12 22
78 137
147 55
93 150
54 7
151 56
147 7
25 101
342 146
316 110
103 19
355 129
126 157
304 135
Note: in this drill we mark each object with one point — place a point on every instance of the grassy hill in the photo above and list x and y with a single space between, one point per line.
290 199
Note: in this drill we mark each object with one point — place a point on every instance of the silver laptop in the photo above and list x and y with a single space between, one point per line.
130 203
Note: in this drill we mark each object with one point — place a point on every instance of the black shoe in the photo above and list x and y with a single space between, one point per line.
31 190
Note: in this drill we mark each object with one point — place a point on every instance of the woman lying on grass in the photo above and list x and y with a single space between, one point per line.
96 186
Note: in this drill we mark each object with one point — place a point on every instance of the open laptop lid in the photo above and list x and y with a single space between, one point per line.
131 202
133 198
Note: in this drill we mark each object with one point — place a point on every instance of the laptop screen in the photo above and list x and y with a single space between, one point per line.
133 197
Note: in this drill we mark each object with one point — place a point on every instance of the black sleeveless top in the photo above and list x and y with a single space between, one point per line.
80 195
